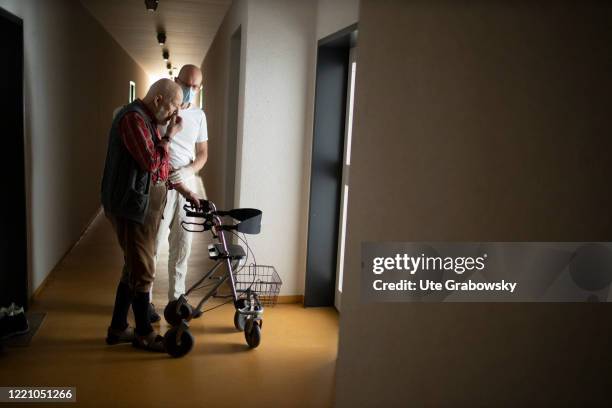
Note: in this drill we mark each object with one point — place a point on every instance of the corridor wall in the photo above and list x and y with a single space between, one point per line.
75 75
478 121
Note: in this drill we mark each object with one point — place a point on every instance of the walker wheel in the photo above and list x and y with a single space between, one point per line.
177 311
239 321
252 333
178 346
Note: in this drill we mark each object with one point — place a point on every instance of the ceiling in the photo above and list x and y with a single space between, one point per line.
190 27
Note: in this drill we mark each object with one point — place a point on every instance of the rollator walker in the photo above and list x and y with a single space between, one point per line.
251 288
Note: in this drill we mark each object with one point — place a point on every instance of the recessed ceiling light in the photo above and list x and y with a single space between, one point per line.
161 38
151 4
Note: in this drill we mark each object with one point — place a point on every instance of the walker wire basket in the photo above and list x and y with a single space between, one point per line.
261 279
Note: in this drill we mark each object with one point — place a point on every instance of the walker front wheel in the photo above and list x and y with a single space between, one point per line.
177 311
239 321
252 333
177 345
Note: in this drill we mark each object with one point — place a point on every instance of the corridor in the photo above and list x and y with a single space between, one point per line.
360 131
293 367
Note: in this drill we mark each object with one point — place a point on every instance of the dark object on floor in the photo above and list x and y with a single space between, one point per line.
13 322
153 315
35 320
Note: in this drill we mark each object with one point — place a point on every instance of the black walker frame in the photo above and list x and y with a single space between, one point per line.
249 309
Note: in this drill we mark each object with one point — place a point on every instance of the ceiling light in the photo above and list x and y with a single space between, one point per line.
166 55
169 66
161 38
151 4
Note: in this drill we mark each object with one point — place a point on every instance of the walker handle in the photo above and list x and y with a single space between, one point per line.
201 212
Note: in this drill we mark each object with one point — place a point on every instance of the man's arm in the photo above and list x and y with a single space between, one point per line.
198 163
201 146
201 155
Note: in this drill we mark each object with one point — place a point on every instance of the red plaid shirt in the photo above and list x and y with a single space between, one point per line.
144 147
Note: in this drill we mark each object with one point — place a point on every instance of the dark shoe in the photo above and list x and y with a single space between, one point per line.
13 322
151 342
154 317
116 336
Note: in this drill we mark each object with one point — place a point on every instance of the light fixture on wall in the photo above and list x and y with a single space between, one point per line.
161 38
166 55
151 4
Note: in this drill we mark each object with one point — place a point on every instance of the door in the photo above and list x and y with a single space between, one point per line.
328 162
348 133
13 223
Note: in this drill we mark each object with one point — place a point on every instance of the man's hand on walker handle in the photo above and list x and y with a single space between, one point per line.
193 199
189 195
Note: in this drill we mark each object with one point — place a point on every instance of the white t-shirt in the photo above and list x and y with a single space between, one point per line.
182 147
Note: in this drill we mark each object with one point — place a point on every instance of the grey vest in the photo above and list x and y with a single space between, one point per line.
125 186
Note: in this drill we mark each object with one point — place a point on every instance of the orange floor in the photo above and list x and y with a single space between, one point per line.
293 367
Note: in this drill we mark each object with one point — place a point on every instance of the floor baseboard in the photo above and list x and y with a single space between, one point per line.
289 299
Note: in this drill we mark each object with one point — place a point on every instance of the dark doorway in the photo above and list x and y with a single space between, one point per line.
333 61
13 243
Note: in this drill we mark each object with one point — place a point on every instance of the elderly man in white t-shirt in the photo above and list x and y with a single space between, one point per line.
188 154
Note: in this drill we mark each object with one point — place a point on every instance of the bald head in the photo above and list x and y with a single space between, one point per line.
165 88
163 99
190 75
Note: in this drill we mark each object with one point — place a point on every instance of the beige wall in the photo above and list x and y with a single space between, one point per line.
483 121
334 15
75 75
277 36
